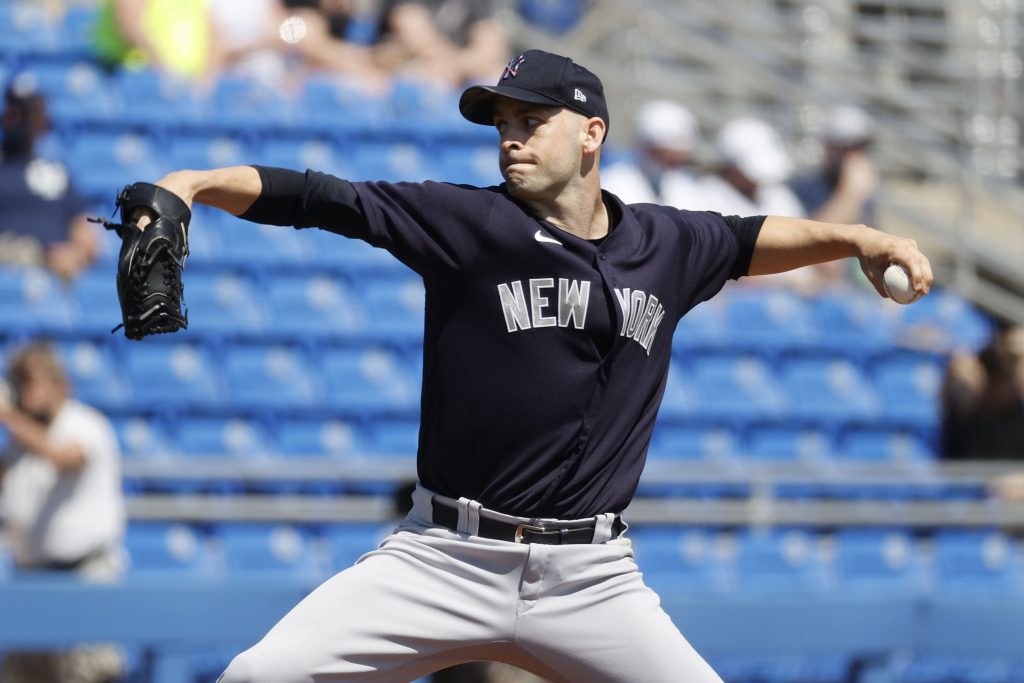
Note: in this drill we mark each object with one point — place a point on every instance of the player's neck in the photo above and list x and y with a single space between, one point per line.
577 209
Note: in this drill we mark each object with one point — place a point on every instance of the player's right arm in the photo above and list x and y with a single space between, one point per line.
233 189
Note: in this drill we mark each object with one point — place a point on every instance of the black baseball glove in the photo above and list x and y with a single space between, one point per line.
149 268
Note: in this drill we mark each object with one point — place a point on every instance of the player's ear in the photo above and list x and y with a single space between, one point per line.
593 130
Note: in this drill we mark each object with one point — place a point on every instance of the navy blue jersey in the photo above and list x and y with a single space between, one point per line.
545 355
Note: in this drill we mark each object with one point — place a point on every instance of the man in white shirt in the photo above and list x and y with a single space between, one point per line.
662 170
60 494
753 173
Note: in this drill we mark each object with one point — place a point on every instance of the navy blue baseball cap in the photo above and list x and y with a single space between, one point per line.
541 78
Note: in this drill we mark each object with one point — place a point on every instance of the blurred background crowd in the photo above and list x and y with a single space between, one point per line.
298 378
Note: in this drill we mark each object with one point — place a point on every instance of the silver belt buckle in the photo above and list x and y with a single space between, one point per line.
520 528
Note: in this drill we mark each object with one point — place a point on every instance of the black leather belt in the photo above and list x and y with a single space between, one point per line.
523 533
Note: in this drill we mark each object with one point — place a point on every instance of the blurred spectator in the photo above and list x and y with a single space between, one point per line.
174 36
248 39
751 181
320 31
661 172
752 178
41 219
449 42
983 401
60 484
842 189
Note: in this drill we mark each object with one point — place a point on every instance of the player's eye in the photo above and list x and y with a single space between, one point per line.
532 122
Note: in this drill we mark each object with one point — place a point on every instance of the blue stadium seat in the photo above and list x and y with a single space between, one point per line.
977 562
346 543
268 551
782 561
303 153
929 667
679 401
32 301
852 322
171 375
28 30
476 165
686 442
215 436
368 381
393 308
816 668
392 438
332 105
243 244
208 151
223 304
701 329
908 387
826 390
731 387
6 563
142 437
553 16
352 257
880 444
95 294
304 306
171 550
789 442
768 320
101 163
205 249
299 436
77 29
423 110
944 321
244 104
678 560
151 101
392 162
77 92
94 373
269 378
878 561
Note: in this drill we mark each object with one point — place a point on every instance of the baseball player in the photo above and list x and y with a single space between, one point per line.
550 309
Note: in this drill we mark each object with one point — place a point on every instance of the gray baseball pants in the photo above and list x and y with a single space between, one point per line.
429 598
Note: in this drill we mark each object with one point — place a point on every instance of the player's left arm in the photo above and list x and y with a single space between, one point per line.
787 243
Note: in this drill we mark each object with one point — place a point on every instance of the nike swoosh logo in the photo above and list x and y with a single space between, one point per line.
541 237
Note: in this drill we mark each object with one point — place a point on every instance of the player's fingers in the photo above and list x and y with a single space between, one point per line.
920 271
876 277
142 217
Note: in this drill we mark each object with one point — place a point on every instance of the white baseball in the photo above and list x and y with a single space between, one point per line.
897 284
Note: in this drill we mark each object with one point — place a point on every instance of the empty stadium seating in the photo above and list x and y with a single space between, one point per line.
303 347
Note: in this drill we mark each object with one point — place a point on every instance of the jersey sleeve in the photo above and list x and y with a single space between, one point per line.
719 249
430 227
433 228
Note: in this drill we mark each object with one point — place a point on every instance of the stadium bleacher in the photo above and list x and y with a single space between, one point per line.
303 346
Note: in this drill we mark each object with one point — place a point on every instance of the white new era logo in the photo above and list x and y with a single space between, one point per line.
579 96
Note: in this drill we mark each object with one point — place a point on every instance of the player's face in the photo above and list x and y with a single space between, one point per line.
540 148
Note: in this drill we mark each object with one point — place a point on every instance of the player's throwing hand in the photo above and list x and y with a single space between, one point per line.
877 250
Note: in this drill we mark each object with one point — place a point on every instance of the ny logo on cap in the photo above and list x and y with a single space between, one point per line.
512 68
